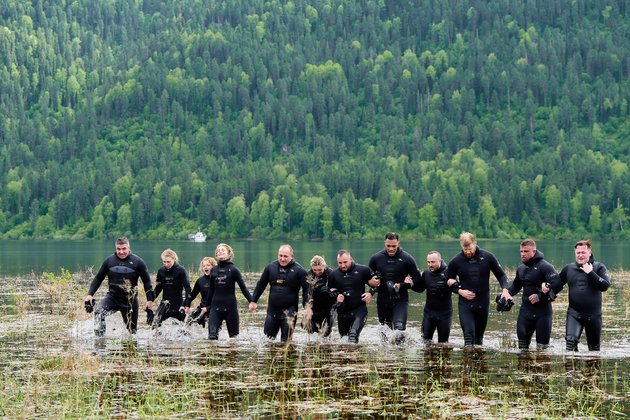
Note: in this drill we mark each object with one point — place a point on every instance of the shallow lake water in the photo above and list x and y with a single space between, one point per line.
53 366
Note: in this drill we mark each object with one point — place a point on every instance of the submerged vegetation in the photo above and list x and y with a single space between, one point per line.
51 365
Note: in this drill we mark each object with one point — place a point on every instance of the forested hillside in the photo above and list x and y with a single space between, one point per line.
314 119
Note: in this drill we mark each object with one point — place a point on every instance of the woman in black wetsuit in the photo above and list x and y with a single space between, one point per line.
221 297
171 278
201 287
320 298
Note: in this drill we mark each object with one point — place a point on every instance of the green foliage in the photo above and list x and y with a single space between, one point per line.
315 119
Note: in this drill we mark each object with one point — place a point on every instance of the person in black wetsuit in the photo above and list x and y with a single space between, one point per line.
201 287
438 307
470 271
285 277
320 298
587 279
349 280
535 276
122 269
171 278
221 298
397 271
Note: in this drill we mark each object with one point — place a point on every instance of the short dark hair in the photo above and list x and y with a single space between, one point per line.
343 252
392 235
584 242
122 241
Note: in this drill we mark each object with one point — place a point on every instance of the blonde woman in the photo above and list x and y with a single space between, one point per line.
220 300
171 278
202 286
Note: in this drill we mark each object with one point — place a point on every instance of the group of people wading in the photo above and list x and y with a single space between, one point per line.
342 294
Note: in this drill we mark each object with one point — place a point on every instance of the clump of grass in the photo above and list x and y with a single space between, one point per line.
62 292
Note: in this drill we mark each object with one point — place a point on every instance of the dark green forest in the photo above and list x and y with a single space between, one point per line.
314 119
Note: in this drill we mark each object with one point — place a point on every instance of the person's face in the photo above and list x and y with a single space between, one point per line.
469 249
168 262
284 256
582 254
433 262
344 261
122 251
206 267
391 246
222 253
318 270
527 252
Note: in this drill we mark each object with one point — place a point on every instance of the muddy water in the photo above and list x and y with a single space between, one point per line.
52 365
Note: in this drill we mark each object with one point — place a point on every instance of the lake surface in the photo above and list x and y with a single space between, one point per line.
52 366
25 257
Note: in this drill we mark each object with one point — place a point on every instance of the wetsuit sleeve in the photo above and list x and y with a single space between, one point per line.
414 273
516 285
98 278
146 281
158 284
242 285
195 291
498 272
561 280
261 285
419 285
187 291
305 287
599 277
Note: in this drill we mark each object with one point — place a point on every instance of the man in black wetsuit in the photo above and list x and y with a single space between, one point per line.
349 280
470 271
587 279
536 277
286 277
398 271
438 309
122 269
173 279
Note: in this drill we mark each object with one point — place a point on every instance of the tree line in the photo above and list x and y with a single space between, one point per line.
318 119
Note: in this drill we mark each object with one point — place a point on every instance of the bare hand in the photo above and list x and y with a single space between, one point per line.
451 282
149 304
374 282
467 294
252 306
534 299
587 267
409 280
366 297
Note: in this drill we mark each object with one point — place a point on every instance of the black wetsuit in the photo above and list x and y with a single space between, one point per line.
201 287
474 275
173 281
537 317
221 299
438 308
392 303
585 303
122 294
321 301
282 306
352 313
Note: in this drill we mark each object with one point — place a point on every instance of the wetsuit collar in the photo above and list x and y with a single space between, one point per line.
533 260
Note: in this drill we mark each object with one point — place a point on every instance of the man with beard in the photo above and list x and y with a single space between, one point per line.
470 272
535 276
398 271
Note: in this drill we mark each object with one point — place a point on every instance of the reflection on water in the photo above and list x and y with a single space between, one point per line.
176 370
